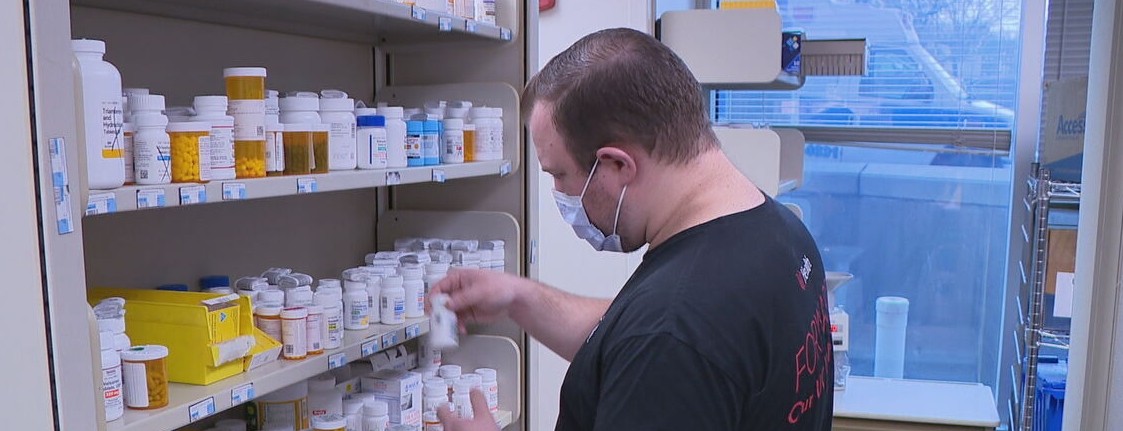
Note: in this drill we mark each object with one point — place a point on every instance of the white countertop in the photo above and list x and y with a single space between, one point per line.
946 403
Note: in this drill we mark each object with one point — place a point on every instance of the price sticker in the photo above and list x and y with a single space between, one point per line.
393 178
505 168
369 348
470 26
419 13
306 185
505 34
444 23
150 198
242 394
337 360
390 339
413 331
439 175
201 409
233 191
192 195
102 203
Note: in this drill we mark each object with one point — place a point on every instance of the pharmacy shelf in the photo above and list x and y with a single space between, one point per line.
190 403
130 198
364 21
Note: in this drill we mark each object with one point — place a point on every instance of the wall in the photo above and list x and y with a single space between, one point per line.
601 274
20 257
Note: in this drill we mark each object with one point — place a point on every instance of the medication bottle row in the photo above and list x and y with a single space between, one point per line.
360 397
131 136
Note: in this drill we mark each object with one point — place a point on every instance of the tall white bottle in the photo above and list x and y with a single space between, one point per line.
102 115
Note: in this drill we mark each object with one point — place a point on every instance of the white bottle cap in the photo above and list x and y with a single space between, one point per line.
352 406
189 126
450 371
453 124
472 379
315 309
146 102
294 313
267 311
243 71
299 102
322 382
144 353
411 272
271 297
213 102
392 281
487 374
435 387
395 112
330 421
461 387
334 105
478 112
434 268
375 407
330 282
88 45
134 91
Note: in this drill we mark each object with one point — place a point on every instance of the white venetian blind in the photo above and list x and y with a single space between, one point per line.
1068 39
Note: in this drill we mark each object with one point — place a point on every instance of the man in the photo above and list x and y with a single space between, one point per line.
724 325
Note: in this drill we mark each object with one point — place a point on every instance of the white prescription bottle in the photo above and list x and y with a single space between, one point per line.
376 415
490 385
374 294
451 374
395 136
393 302
461 400
315 330
212 109
102 119
353 411
323 397
274 136
152 147
300 108
111 384
372 142
452 141
329 422
332 303
356 306
435 394
414 290
268 320
338 111
294 332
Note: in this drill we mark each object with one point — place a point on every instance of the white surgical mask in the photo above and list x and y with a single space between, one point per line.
573 212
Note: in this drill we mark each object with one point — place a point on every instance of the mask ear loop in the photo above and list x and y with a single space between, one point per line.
589 180
619 204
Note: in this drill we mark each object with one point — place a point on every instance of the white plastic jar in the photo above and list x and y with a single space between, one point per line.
152 147
112 388
323 397
315 330
373 150
332 303
489 132
393 303
461 400
212 109
268 320
337 111
490 382
356 306
294 332
274 136
300 108
414 290
435 395
395 136
452 141
329 422
102 119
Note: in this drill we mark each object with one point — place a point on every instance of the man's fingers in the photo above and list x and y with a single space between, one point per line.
445 414
479 403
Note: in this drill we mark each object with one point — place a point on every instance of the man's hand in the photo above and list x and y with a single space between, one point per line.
478 296
481 421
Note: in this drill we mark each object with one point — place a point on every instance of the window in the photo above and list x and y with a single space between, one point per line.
907 179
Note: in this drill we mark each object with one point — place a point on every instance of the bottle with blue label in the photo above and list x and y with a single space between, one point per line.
431 142
415 130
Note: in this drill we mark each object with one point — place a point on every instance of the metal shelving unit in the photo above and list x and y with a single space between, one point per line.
1031 333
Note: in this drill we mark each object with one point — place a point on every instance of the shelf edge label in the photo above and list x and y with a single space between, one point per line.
191 195
306 185
233 191
337 360
201 409
242 394
150 198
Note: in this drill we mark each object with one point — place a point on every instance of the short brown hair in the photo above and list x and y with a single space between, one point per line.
622 85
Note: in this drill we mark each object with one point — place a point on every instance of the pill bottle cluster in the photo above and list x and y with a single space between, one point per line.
132 376
133 136
479 10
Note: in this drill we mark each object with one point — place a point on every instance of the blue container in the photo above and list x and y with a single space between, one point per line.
431 143
1050 401
415 129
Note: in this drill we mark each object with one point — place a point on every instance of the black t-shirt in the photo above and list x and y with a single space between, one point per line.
722 327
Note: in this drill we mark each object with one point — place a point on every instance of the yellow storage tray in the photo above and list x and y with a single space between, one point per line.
190 329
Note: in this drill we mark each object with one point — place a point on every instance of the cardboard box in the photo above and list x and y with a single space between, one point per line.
1061 256
1062 140
401 390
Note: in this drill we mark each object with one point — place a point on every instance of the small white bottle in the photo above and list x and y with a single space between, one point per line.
294 332
489 379
395 136
435 394
434 272
372 142
393 301
111 384
212 109
268 320
427 355
271 297
337 110
99 101
332 304
374 294
152 147
376 415
300 296
274 135
315 329
414 290
323 397
452 141
353 411
128 135
451 374
300 107
356 306
461 400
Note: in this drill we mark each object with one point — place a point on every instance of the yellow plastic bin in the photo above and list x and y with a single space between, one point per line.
208 337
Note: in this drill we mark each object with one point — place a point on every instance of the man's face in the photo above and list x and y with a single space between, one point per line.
569 177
